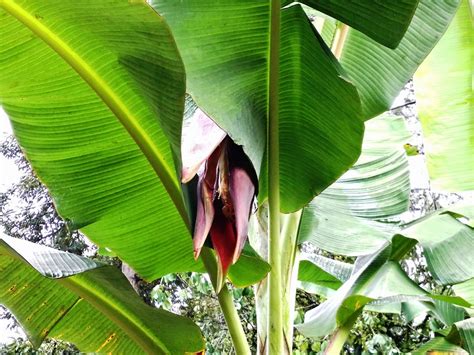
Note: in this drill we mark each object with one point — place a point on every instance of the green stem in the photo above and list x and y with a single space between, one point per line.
227 305
290 265
275 316
289 272
339 337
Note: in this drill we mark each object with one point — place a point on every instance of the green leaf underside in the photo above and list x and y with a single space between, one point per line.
385 22
446 243
379 282
465 290
99 178
323 272
465 329
379 73
341 219
448 313
445 104
464 211
447 246
319 117
322 320
92 306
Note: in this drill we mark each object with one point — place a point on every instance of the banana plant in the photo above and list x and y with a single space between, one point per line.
96 91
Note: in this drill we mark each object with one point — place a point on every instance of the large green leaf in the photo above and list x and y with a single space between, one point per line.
379 73
332 221
95 93
65 296
385 22
378 185
341 218
378 278
445 103
225 49
340 232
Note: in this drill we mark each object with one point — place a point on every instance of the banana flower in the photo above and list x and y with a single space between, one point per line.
226 189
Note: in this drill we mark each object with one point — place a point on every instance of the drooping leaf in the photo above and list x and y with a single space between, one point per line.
96 100
322 320
464 211
445 104
411 310
465 290
339 232
378 185
378 279
333 223
325 272
448 313
69 297
340 220
379 73
225 50
385 22
447 245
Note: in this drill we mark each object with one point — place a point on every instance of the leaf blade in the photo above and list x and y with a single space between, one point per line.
384 22
445 105
100 179
89 290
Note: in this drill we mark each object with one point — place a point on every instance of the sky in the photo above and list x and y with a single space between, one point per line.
8 170
8 174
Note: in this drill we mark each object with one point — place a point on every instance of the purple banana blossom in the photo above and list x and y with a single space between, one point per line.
225 193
